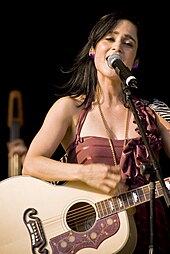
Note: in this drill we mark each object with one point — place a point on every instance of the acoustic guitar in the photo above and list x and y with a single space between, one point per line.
40 217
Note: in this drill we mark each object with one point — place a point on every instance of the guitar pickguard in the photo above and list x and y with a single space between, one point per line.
71 242
85 231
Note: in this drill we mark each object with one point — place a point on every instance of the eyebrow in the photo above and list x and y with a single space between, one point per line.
127 36
130 37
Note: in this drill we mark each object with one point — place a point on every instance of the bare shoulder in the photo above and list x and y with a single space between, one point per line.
64 110
66 104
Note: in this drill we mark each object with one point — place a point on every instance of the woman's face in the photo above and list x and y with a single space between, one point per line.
122 40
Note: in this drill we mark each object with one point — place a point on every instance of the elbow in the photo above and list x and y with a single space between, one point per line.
26 169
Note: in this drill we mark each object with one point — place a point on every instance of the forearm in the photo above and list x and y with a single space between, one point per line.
51 170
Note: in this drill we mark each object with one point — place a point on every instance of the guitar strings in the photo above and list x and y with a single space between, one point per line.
88 210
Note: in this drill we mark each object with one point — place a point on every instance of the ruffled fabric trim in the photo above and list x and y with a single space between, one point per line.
135 152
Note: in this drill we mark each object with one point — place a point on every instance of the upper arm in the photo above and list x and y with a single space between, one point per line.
161 108
164 127
162 111
54 128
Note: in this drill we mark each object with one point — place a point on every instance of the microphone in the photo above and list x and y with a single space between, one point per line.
115 62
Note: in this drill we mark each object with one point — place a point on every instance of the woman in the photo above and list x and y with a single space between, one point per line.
96 127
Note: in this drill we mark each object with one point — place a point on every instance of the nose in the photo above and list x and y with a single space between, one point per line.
116 47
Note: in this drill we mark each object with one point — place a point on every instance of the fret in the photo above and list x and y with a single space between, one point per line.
111 205
120 202
167 183
115 203
141 194
108 207
99 209
103 208
147 192
129 199
156 191
159 189
129 196
124 200
136 197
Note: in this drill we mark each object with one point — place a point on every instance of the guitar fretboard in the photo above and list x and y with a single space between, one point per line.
129 199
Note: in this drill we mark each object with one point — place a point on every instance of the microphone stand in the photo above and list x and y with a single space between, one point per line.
153 169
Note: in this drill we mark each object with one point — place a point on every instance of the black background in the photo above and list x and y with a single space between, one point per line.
37 39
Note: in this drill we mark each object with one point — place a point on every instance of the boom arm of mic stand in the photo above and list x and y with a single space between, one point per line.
155 164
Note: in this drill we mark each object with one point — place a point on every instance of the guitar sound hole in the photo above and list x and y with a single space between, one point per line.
81 216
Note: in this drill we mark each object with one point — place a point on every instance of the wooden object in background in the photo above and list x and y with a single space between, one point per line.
15 121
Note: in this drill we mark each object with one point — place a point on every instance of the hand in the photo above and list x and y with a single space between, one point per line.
103 177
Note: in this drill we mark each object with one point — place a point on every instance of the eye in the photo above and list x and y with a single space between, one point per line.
110 39
128 44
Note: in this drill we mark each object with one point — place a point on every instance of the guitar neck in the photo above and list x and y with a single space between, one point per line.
129 199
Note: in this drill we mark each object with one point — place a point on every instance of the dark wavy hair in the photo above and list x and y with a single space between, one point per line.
83 79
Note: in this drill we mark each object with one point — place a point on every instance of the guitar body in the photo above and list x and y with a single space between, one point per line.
36 217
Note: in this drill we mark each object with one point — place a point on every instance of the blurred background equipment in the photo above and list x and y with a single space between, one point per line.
15 122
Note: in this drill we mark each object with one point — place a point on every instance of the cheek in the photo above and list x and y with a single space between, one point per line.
130 60
100 54
98 62
101 48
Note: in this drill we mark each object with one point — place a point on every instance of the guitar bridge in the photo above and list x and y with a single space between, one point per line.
35 229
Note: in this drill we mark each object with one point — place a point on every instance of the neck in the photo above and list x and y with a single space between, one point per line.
109 97
108 131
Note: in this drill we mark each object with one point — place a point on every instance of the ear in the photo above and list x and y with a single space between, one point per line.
135 64
91 53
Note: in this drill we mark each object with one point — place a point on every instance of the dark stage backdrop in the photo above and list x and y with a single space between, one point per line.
37 39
